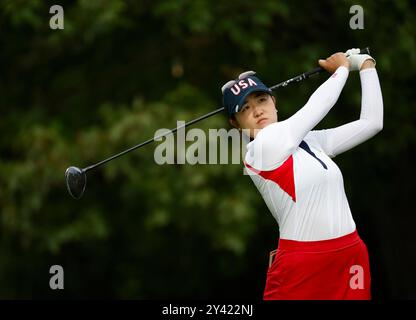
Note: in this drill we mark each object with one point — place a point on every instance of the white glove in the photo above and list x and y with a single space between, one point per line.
356 59
352 51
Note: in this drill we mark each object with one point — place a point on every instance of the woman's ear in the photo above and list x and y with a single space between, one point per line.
234 122
274 101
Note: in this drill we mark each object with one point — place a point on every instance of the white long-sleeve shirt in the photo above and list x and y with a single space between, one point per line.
292 168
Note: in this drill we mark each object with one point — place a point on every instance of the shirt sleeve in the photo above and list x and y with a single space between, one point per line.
276 142
340 139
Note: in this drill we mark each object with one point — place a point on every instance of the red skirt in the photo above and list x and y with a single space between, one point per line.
334 269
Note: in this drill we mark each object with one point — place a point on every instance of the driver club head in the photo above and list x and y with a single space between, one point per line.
76 180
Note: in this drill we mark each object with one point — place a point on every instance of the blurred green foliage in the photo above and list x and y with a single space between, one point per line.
119 71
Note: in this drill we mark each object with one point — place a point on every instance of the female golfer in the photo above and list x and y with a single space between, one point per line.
320 254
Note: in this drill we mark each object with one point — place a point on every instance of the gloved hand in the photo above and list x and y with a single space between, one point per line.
356 59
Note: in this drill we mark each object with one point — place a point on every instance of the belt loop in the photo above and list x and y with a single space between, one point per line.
271 255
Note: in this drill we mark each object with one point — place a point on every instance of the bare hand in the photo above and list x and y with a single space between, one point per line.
334 62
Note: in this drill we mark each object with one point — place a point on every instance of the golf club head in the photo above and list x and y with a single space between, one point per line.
76 180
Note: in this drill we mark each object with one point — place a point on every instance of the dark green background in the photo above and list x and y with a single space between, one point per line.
119 71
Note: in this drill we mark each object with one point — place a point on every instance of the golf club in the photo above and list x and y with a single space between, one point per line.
76 178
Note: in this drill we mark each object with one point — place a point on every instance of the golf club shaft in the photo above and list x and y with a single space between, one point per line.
282 84
155 138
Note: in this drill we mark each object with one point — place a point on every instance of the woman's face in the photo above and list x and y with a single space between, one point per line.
257 112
